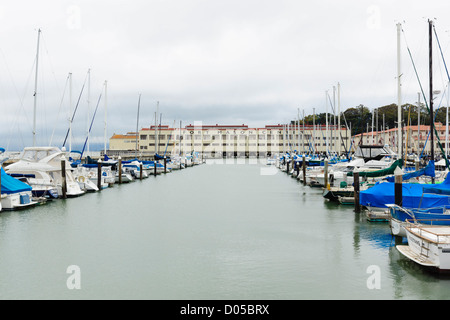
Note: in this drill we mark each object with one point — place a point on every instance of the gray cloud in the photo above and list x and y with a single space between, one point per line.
252 62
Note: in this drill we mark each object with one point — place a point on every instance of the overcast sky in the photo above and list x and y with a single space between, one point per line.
252 62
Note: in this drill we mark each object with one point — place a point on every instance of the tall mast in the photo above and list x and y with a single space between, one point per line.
333 139
418 121
339 117
430 39
88 107
446 120
303 132
137 124
180 142
314 130
157 131
70 111
35 89
326 121
399 92
373 118
105 123
298 130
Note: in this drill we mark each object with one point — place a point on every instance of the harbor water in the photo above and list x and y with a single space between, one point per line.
230 229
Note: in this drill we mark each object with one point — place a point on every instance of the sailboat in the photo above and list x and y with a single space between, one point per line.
40 167
433 209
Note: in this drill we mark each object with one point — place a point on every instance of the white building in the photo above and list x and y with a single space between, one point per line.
217 141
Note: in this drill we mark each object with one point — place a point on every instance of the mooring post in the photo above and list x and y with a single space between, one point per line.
154 167
140 171
304 170
165 164
325 173
287 166
356 191
99 175
63 175
120 169
398 186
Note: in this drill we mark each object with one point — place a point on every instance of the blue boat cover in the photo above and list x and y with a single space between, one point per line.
429 170
12 185
443 188
413 195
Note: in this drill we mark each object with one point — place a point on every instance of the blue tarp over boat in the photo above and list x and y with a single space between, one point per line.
415 195
429 170
12 185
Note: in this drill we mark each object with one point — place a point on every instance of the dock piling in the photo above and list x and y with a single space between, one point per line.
398 187
304 170
99 175
356 191
63 175
165 164
120 170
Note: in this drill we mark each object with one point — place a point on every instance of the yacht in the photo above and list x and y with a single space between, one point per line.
40 167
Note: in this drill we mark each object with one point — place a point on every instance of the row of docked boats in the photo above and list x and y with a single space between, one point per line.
41 174
416 207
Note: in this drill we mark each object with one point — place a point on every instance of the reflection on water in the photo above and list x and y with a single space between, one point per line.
215 231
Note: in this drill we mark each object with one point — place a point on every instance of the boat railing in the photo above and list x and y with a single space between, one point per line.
424 231
399 208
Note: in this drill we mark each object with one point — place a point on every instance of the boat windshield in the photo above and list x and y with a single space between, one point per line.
38 154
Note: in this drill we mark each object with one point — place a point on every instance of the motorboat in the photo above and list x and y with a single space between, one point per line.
15 194
41 168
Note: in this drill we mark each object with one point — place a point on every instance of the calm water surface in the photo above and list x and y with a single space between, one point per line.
215 231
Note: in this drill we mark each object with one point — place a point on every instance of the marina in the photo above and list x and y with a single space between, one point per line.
250 233
264 162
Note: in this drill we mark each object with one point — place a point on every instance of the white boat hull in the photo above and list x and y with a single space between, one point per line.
17 201
428 246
